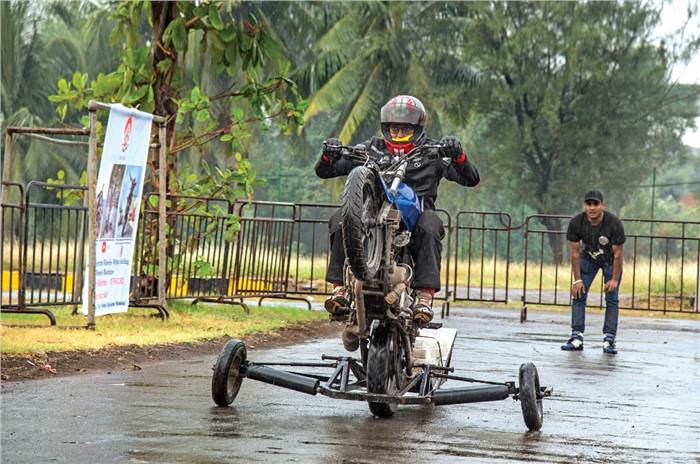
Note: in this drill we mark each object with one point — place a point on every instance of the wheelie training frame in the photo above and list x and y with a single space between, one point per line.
348 381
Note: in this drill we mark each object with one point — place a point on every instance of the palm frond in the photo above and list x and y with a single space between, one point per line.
332 51
365 106
448 69
345 82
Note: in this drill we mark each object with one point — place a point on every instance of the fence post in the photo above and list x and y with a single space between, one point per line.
92 186
697 282
162 221
6 165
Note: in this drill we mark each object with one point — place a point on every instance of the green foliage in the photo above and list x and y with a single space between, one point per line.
215 73
576 95
154 76
68 197
202 268
600 107
363 53
41 42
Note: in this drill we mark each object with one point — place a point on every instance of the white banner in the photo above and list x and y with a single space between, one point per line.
119 189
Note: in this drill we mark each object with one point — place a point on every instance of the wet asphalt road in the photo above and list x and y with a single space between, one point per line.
636 407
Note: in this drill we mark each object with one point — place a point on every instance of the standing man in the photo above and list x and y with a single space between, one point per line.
601 235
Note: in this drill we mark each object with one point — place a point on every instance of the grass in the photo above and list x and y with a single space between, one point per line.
665 277
516 306
187 323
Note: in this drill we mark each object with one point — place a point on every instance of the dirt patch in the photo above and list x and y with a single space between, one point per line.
135 357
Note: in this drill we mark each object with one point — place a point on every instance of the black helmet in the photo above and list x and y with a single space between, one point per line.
403 110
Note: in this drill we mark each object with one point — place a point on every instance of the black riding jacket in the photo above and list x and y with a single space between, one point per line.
422 175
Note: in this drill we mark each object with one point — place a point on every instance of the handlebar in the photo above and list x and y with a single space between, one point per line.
361 154
353 151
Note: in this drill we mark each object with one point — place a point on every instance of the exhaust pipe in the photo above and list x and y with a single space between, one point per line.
474 394
282 379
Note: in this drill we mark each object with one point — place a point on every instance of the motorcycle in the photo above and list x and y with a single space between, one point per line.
379 213
400 361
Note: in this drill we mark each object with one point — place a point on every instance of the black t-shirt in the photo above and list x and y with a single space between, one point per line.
599 239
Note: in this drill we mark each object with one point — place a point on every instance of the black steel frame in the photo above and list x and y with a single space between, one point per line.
340 384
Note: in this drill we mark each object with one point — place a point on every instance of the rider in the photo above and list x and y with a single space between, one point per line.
403 121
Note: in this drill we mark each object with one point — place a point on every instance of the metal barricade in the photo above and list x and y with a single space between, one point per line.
282 249
11 253
311 249
482 256
207 261
665 265
541 267
446 294
661 266
264 251
55 235
199 258
50 255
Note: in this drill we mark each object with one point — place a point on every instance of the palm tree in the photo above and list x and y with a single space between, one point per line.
362 54
42 42
350 58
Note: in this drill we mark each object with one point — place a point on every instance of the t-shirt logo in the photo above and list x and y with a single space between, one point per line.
603 240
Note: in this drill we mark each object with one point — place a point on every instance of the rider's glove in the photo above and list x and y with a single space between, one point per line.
451 148
332 150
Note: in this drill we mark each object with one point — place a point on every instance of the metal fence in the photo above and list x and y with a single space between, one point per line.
482 256
53 258
205 263
228 252
661 267
11 252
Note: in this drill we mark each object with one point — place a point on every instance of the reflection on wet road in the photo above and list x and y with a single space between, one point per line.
636 407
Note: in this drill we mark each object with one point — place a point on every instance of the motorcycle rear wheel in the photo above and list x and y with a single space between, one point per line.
384 374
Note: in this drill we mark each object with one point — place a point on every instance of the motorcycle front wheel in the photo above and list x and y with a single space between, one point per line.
363 239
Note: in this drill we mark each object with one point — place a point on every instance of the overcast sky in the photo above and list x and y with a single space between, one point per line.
672 19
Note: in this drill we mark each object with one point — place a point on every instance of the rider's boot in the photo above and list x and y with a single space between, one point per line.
423 306
338 304
351 342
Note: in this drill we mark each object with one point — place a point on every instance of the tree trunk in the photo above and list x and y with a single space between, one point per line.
556 240
163 13
163 91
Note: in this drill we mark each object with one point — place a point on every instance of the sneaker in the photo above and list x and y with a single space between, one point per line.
423 307
575 343
609 344
338 304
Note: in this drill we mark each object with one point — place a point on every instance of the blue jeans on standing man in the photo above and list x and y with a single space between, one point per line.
578 309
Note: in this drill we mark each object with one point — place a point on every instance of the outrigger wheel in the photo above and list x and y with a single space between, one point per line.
226 381
530 396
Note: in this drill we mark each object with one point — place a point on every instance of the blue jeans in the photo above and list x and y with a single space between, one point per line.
578 307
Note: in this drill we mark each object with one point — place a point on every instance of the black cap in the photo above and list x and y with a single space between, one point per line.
594 195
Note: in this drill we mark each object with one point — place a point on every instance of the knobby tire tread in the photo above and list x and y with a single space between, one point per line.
353 235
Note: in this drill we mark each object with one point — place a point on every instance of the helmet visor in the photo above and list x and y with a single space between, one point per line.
401 133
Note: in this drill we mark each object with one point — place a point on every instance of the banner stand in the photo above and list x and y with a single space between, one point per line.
93 106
